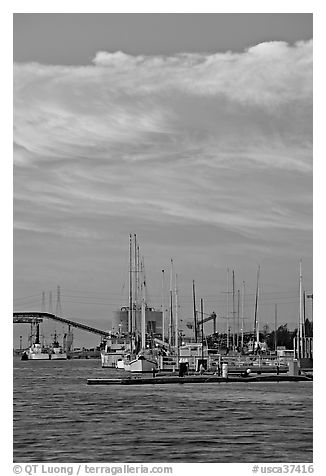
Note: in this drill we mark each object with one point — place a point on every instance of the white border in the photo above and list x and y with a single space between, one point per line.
168 6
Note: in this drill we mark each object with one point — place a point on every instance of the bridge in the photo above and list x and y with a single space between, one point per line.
27 320
36 317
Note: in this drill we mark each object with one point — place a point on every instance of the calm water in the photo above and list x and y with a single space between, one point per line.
58 418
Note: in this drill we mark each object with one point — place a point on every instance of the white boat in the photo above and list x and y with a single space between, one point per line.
126 365
130 357
56 352
120 364
144 362
107 360
141 364
112 359
36 352
114 352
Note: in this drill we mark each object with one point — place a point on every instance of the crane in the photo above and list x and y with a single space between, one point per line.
211 317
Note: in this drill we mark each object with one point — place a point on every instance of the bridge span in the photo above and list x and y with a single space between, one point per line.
21 317
27 320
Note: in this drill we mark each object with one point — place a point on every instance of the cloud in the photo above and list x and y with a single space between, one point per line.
221 139
270 73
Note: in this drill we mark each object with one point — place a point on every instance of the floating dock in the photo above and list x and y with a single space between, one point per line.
196 379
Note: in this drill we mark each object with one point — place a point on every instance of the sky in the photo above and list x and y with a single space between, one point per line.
193 131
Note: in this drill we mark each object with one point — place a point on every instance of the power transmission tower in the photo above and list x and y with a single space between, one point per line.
50 303
58 308
43 302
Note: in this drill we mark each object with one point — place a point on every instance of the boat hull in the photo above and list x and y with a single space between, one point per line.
141 365
37 352
59 356
36 356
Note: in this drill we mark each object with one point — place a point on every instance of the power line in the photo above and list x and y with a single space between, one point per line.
25 297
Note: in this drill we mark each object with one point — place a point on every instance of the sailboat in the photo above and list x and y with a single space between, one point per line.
134 357
145 361
256 343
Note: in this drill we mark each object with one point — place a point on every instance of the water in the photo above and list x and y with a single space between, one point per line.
58 418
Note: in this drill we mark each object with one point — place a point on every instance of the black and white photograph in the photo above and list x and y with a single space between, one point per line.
162 242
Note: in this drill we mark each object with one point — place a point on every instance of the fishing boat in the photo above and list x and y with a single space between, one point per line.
56 351
36 350
114 352
111 359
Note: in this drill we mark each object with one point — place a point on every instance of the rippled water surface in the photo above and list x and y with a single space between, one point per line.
58 418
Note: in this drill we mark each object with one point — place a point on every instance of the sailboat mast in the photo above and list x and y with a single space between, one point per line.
130 288
136 284
300 348
242 312
163 310
176 340
194 307
233 311
304 316
275 337
138 270
171 305
238 324
143 310
202 329
256 327
227 309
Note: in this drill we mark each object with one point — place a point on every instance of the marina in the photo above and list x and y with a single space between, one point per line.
148 341
148 353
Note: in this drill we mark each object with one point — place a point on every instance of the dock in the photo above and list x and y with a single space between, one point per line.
197 379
